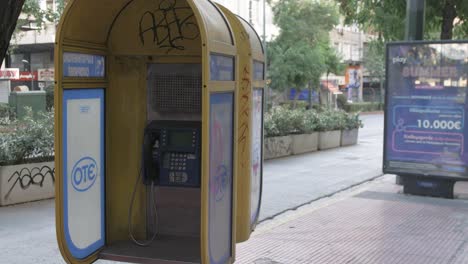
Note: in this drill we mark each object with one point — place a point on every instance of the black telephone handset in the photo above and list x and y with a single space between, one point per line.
171 154
151 165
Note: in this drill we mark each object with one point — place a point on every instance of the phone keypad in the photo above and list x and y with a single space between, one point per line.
178 162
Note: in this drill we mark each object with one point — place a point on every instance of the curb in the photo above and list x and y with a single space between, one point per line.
272 217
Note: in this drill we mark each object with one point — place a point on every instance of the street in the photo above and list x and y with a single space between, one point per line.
312 176
27 231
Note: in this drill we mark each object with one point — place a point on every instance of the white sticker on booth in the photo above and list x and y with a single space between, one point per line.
257 161
84 168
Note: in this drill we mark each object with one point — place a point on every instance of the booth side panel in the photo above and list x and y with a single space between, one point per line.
221 177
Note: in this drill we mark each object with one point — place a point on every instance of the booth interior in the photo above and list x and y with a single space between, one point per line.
155 102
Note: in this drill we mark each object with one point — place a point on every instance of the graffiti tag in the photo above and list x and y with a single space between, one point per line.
169 25
25 178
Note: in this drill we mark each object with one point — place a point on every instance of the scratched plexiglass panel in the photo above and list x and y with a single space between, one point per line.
221 177
255 41
216 26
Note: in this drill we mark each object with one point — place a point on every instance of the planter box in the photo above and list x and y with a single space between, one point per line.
329 139
349 137
276 147
26 183
304 143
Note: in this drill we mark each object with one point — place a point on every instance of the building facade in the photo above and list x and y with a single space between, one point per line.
253 12
349 43
32 54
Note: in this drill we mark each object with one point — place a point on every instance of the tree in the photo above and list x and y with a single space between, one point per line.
11 23
299 55
9 13
386 17
374 62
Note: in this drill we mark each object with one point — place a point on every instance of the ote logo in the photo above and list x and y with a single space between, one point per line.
84 174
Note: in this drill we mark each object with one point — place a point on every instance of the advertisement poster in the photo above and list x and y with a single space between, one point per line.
426 109
221 172
353 82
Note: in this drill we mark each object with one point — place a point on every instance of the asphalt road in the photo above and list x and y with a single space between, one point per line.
297 180
27 231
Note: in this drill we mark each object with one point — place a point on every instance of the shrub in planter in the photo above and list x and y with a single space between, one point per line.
28 138
331 120
350 133
306 139
278 127
6 114
26 159
330 124
278 122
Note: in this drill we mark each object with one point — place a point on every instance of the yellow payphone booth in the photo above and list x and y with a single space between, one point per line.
249 104
147 128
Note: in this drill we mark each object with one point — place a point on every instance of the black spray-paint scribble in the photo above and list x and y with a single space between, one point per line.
169 25
25 178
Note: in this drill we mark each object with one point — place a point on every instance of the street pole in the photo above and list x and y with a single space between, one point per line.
415 13
267 90
32 80
414 30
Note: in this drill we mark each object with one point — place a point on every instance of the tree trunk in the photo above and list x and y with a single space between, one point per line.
296 97
309 87
9 13
449 14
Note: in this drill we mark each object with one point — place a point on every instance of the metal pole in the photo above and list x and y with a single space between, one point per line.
415 13
361 73
267 91
414 30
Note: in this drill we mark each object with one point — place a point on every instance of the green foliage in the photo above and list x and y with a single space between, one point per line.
382 17
6 114
352 121
385 17
301 53
342 101
282 121
28 138
49 97
32 12
363 107
278 121
310 122
374 59
330 120
4 110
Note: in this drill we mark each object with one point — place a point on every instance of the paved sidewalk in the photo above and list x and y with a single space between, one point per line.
377 224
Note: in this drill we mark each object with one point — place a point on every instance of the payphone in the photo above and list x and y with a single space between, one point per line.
171 158
171 153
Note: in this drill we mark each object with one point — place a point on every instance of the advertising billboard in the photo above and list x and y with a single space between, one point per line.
426 109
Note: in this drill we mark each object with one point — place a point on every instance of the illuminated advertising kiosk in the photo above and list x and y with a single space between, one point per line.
426 116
